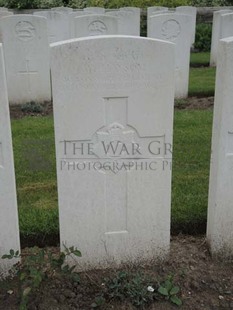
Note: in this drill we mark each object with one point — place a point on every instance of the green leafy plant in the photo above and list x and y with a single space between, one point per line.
38 265
170 291
133 287
203 37
32 107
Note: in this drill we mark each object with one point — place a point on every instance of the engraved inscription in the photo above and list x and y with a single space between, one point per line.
25 31
171 29
96 28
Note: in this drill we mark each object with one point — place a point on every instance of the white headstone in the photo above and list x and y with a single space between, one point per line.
26 47
220 211
113 102
62 9
226 25
93 25
5 13
216 35
128 21
176 28
192 11
9 227
95 10
58 25
153 10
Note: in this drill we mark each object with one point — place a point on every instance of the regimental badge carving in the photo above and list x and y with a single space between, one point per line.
25 31
171 29
97 28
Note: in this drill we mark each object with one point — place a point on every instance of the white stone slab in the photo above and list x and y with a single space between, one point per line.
5 13
128 21
95 10
192 11
220 211
115 207
26 47
93 25
9 227
216 35
153 10
62 9
176 28
226 25
58 25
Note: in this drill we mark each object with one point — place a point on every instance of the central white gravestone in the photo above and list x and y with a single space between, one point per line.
220 210
93 25
58 25
113 108
9 228
26 47
175 28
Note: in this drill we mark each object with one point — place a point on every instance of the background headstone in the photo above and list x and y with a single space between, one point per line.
155 9
192 11
115 207
93 25
26 51
176 28
226 25
9 227
220 211
58 25
95 10
128 21
216 35
62 9
5 13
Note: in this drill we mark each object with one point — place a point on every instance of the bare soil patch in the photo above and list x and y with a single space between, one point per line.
205 283
190 103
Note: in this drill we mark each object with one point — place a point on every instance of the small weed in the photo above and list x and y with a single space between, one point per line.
32 107
170 291
133 287
39 265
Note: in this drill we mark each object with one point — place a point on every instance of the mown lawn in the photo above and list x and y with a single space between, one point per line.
202 59
33 139
202 81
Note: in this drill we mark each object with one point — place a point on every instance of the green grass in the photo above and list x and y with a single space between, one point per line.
191 160
37 191
202 82
34 151
202 59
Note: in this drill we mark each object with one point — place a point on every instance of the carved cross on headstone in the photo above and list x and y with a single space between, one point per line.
28 73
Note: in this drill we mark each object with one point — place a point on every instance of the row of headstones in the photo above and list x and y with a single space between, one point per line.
25 42
113 112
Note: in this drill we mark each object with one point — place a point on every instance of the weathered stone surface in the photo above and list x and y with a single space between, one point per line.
176 28
220 211
9 228
26 49
113 108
